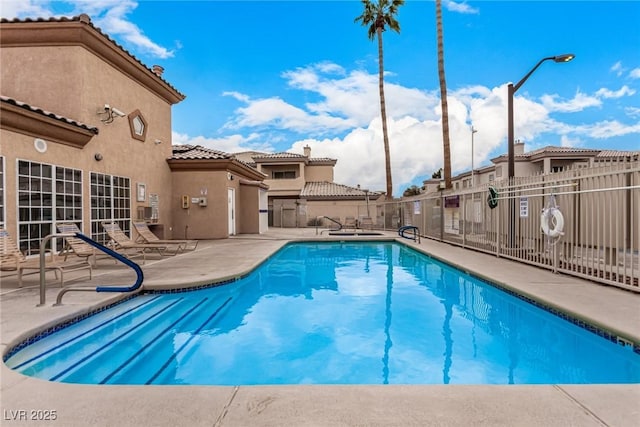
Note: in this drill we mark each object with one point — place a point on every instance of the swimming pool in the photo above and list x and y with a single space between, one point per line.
330 313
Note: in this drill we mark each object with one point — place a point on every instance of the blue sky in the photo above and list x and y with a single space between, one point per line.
278 75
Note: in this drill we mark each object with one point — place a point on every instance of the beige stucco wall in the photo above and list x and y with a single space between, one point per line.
248 206
196 222
319 173
340 209
72 82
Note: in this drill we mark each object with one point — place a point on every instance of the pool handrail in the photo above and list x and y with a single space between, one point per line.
416 232
114 254
334 221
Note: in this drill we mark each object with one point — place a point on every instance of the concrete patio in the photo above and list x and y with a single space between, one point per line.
612 309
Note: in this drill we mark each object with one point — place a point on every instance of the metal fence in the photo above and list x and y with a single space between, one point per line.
591 217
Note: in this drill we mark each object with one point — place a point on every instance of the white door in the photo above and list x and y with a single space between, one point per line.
232 211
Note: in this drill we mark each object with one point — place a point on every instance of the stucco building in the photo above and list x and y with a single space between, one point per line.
302 190
545 160
85 137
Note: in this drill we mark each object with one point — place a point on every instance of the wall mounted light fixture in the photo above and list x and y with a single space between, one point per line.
108 113
157 142
97 156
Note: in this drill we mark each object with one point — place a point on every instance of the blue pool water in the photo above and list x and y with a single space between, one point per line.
331 313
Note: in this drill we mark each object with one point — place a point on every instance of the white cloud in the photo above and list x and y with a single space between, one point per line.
617 68
356 95
229 144
459 7
237 95
632 111
566 141
11 9
623 91
579 102
276 113
607 129
635 73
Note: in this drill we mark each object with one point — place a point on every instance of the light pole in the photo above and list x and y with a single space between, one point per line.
366 197
473 182
511 90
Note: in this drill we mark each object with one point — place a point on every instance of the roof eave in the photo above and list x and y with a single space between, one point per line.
230 165
28 122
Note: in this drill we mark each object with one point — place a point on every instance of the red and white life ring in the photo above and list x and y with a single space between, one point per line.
552 222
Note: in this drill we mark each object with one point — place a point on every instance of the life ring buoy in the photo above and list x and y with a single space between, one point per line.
492 198
552 222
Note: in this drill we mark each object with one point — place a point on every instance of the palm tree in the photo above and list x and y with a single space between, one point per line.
443 98
377 16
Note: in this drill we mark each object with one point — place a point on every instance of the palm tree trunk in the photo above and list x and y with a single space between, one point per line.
443 98
383 112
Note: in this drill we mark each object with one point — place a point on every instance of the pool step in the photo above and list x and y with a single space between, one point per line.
116 355
165 354
64 357
111 347
91 326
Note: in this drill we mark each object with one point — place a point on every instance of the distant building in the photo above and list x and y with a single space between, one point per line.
544 160
302 188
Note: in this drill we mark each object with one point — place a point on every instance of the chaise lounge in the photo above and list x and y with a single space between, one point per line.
124 244
145 235
12 259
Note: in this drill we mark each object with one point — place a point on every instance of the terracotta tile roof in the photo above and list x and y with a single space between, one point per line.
551 150
282 155
564 150
26 106
321 160
197 152
616 153
254 157
324 189
84 18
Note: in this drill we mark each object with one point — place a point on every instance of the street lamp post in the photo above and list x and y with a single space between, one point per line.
473 182
511 90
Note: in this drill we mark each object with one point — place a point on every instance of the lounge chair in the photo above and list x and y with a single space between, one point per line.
367 223
12 259
145 235
75 246
350 223
124 244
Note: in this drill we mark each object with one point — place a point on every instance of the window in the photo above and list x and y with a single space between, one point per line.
137 125
283 174
556 169
499 171
46 194
491 177
110 201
